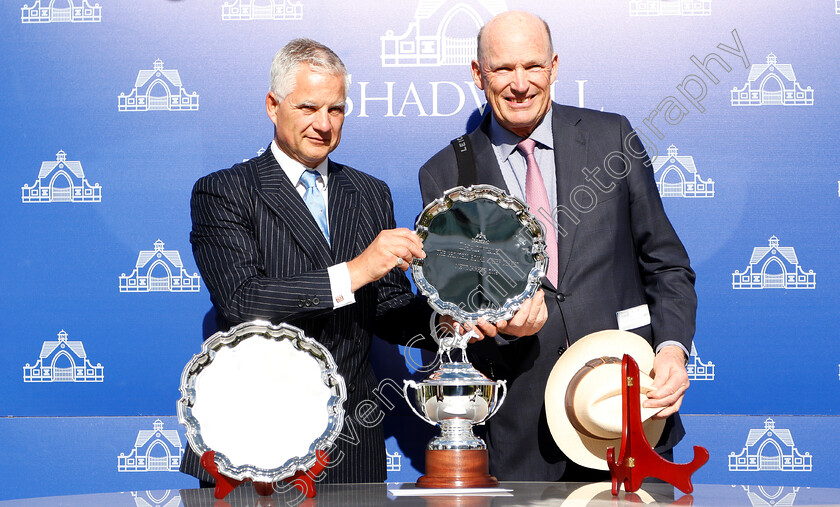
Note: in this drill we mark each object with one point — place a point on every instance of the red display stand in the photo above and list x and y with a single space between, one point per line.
636 459
302 480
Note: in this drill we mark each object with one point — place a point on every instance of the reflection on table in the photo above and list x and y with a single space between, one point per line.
523 493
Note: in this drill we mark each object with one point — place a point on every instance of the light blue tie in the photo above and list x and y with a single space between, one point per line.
314 200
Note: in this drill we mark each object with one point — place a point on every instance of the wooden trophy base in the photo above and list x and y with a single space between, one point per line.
466 468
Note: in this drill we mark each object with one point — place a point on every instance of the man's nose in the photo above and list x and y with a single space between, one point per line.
322 121
519 80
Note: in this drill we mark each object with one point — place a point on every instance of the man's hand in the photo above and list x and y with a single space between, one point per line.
670 380
392 247
528 320
448 327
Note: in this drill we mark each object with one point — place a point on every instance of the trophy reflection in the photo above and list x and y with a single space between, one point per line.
456 396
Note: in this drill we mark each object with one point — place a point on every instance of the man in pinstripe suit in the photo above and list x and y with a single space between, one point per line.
266 252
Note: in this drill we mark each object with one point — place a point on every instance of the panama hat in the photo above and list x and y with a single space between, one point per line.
583 396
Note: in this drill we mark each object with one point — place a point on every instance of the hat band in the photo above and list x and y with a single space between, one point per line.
572 388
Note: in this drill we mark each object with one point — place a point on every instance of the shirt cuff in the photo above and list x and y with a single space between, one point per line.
674 342
340 285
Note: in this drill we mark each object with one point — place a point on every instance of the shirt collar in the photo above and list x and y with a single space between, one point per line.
507 140
293 168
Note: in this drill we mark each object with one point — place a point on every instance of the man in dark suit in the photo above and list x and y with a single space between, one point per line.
291 236
614 258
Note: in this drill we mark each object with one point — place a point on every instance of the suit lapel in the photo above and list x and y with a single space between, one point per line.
570 148
344 202
281 197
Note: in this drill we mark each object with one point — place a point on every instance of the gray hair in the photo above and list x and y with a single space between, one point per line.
286 63
479 52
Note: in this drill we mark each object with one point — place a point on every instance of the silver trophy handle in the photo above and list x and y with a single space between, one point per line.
412 384
503 387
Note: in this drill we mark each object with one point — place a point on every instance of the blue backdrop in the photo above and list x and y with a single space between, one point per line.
112 110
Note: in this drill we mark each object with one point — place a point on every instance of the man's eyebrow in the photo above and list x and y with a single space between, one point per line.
304 104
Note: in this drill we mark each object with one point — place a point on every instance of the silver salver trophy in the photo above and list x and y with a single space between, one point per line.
485 255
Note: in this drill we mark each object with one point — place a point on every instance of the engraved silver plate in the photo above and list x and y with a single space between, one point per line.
485 254
265 398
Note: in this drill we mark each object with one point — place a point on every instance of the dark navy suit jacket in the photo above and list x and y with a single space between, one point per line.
616 251
262 256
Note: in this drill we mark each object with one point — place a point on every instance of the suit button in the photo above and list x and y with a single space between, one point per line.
300 303
351 388
308 302
561 297
316 301
560 350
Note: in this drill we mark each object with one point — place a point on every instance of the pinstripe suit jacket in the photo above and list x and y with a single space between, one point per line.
262 256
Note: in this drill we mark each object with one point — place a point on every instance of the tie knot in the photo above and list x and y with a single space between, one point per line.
527 146
308 178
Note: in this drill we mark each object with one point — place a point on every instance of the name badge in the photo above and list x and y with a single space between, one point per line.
632 318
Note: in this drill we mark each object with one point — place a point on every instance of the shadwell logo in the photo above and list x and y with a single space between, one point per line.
769 449
159 270
158 89
78 11
677 176
670 7
61 180
772 84
246 10
774 267
155 450
63 360
441 33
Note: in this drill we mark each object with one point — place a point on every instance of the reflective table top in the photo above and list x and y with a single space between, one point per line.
523 493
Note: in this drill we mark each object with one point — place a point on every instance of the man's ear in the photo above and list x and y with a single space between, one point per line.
271 105
476 74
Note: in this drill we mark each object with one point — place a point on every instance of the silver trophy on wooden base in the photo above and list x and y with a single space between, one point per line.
485 255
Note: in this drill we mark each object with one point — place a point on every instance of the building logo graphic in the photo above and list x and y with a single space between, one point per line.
670 8
769 449
156 498
254 9
259 152
442 33
158 89
73 11
774 267
676 176
780 496
697 369
772 84
63 361
159 270
393 462
155 450
61 180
